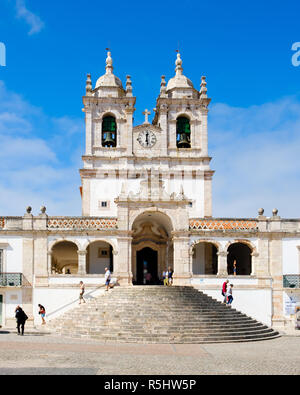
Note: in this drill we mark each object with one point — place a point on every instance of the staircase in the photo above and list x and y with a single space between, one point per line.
157 314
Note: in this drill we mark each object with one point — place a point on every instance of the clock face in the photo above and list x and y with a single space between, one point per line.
147 139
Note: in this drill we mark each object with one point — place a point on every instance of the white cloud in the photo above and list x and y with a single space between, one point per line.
37 166
255 154
34 21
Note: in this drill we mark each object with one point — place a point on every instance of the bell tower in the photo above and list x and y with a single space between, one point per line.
181 112
108 112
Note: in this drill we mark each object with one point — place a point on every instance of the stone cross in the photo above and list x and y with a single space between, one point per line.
146 113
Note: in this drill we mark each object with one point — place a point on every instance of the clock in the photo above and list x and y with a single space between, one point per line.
147 139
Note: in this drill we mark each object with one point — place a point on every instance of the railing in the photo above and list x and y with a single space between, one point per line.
291 281
223 224
73 223
2 223
11 279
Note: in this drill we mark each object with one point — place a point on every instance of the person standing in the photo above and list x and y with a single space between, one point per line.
229 294
165 278
170 276
107 278
42 312
234 267
82 290
21 318
224 290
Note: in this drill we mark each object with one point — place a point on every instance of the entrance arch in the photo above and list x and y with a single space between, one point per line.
152 247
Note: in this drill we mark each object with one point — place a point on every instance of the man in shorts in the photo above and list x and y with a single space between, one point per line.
107 279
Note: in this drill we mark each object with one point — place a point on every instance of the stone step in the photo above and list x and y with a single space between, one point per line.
139 314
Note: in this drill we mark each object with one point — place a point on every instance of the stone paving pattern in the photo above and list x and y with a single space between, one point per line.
37 353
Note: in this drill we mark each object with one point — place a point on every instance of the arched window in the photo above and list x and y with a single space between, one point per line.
109 132
183 133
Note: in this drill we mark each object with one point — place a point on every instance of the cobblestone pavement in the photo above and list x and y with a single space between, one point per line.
37 353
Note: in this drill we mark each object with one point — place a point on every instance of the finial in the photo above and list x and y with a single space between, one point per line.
275 212
178 63
43 210
203 90
109 62
128 86
28 210
163 86
261 211
88 86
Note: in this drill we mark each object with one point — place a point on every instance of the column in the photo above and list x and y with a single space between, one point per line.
82 262
123 261
222 264
49 263
182 274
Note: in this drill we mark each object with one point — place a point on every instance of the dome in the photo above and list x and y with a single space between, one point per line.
180 80
109 79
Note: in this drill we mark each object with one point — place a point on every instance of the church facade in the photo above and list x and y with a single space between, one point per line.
147 206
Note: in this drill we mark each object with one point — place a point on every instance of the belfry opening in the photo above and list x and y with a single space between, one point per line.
152 248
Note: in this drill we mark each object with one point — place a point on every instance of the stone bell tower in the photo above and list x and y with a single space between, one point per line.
181 113
109 112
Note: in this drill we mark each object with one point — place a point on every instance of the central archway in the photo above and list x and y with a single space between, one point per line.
152 248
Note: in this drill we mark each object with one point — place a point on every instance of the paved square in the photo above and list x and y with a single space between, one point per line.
44 354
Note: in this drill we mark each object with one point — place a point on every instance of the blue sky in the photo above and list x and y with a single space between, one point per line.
244 49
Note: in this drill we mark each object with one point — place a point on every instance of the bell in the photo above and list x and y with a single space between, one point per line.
184 141
109 140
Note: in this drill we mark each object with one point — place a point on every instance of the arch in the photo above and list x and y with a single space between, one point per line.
99 256
183 132
158 214
241 253
242 241
151 243
64 257
57 241
111 242
109 131
211 241
205 257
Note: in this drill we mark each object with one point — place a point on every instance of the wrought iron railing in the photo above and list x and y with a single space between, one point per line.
291 281
11 279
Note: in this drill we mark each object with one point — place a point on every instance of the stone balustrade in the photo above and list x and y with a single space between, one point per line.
222 224
81 223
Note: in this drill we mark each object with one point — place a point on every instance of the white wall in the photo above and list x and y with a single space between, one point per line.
255 303
58 301
13 253
290 256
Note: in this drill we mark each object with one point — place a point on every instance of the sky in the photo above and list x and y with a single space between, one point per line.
244 50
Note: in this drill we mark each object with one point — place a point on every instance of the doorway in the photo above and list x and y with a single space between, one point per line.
146 273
